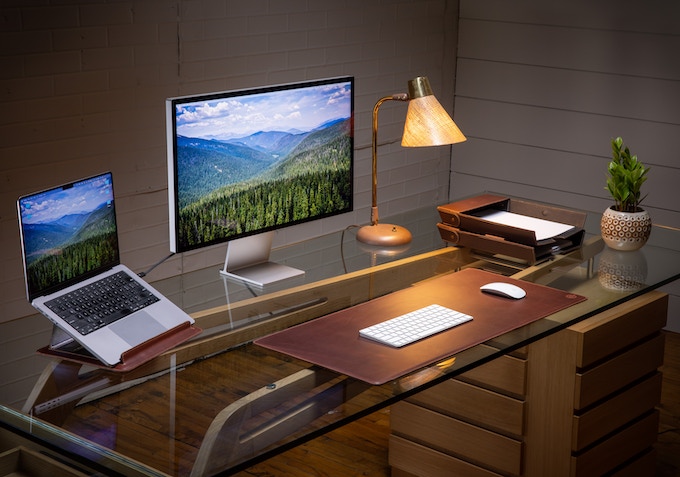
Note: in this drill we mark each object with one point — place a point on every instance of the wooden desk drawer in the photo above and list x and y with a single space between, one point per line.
475 405
617 372
615 451
457 438
643 466
619 327
408 458
505 374
616 412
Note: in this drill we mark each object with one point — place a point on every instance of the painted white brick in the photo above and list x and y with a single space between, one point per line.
80 38
10 20
307 58
156 11
224 27
80 83
11 67
107 58
136 34
247 9
146 55
106 14
307 21
42 18
288 41
25 88
203 50
51 63
269 24
247 45
95 93
24 42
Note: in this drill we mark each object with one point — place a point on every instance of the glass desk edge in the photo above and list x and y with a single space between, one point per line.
58 438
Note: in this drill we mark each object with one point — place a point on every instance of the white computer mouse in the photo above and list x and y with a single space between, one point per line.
507 290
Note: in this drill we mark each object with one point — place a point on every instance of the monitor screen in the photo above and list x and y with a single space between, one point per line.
250 161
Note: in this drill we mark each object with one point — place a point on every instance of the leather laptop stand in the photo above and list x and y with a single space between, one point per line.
132 358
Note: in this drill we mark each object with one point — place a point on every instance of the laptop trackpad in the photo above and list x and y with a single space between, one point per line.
137 328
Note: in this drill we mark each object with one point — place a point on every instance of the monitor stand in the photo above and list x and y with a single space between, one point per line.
248 260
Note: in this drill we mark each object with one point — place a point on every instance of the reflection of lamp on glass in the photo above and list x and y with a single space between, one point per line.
426 124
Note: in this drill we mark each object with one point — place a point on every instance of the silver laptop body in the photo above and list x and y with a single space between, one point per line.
69 240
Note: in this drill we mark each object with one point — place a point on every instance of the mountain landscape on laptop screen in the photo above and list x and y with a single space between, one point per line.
255 162
68 232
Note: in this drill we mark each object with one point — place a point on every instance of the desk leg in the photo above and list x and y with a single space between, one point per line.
58 390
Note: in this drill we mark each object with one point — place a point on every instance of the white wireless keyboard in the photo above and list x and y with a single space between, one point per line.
415 325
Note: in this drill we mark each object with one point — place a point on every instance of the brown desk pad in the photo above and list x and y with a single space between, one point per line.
333 341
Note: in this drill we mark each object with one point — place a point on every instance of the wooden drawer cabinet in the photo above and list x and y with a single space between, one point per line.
580 402
409 458
469 426
591 425
474 404
506 375
455 437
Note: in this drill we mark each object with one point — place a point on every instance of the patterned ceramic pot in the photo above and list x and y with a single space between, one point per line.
625 231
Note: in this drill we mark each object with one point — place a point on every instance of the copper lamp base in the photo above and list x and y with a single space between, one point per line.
386 235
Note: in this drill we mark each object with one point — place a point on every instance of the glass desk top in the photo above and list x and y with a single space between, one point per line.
219 403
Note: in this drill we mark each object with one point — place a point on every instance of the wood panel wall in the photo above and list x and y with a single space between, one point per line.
543 87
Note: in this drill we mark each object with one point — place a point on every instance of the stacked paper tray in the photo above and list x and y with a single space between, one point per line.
525 231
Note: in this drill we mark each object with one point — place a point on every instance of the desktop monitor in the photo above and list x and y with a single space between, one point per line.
244 163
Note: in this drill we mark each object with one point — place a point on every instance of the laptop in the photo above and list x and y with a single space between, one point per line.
69 242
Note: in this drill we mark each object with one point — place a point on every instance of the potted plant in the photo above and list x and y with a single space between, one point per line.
625 225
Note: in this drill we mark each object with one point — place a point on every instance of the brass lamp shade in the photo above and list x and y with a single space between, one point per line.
426 124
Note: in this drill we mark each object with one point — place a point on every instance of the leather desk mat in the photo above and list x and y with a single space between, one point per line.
333 341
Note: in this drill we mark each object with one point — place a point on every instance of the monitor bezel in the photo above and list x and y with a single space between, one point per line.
171 131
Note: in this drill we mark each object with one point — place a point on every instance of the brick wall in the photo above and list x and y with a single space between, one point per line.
83 86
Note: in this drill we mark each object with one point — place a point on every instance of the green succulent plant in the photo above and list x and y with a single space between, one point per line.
625 178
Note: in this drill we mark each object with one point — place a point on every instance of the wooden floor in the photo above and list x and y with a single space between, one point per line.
360 449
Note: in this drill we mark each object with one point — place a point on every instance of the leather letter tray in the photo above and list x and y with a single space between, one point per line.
333 341
461 225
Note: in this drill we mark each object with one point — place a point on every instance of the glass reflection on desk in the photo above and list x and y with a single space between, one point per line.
195 407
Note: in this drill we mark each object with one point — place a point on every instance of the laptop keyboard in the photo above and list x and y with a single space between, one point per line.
102 302
415 325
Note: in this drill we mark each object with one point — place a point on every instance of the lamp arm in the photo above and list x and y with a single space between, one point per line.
374 152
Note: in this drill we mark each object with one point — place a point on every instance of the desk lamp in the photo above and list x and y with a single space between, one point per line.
426 124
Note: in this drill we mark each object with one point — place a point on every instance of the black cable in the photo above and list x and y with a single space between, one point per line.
145 273
342 242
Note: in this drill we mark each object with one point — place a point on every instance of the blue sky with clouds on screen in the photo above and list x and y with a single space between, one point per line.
243 115
83 198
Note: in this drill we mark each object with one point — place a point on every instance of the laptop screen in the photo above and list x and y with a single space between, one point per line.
68 233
